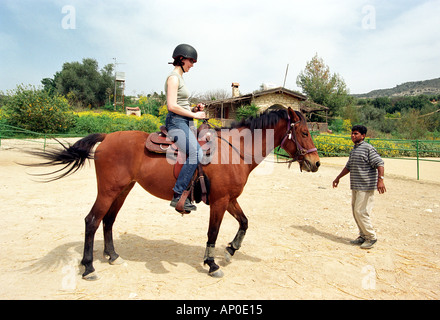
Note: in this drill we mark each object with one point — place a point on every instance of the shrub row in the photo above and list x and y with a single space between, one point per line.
91 122
43 112
330 146
340 146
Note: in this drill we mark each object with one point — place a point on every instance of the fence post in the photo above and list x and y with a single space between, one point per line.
418 166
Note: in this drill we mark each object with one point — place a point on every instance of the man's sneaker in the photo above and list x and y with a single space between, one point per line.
188 206
358 241
368 244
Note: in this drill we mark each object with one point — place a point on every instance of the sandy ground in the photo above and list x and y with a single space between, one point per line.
297 245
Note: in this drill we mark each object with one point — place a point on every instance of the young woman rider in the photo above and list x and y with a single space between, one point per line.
179 119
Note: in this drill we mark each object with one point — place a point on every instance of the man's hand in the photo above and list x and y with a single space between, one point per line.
343 173
380 183
381 186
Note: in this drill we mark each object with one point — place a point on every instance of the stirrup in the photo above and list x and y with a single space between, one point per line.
183 205
187 205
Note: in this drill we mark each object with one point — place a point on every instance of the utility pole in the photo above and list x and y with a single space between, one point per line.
285 76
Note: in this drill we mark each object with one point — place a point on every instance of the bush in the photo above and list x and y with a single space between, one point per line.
387 149
213 122
36 110
147 123
149 105
106 122
3 116
330 146
163 112
336 125
245 112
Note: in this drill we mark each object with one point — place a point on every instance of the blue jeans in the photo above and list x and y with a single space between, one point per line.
179 130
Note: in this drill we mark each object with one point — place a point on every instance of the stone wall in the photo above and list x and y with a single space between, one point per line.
266 101
318 126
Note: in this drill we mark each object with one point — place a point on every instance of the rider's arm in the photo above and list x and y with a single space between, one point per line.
173 84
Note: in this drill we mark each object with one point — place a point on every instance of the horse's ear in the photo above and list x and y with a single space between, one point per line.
293 115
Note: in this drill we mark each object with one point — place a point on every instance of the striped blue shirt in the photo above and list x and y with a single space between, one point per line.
362 164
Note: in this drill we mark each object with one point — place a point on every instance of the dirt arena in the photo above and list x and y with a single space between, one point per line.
297 245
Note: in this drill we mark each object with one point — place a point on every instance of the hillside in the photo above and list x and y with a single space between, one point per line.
428 87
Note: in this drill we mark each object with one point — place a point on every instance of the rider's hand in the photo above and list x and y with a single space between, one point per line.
199 107
200 115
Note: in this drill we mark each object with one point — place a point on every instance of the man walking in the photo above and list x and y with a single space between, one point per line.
366 169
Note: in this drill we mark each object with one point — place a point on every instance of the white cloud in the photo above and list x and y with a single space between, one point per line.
244 41
407 49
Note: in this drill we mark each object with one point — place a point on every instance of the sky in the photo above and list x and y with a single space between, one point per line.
370 44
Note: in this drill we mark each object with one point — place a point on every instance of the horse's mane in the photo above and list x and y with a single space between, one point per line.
264 120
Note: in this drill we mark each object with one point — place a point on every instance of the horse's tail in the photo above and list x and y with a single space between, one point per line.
72 157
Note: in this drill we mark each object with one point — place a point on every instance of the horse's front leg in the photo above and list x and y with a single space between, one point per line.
217 212
235 210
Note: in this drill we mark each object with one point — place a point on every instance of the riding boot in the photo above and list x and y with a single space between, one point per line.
188 206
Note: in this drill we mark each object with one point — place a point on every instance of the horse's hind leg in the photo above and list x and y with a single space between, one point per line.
235 210
106 208
109 219
105 205
92 221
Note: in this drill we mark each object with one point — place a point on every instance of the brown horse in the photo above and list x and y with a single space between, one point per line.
121 160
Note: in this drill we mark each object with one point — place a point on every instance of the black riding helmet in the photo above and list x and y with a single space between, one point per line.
186 51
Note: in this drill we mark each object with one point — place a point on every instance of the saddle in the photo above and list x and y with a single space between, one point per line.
198 190
158 142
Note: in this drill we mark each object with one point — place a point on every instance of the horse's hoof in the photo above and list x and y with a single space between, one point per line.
216 274
228 256
117 262
93 276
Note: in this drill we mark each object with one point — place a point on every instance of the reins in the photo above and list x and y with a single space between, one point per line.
213 126
289 135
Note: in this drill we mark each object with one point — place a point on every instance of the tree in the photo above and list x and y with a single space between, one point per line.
322 87
49 85
382 103
412 125
213 95
82 83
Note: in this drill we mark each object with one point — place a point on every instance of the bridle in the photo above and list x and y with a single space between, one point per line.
291 135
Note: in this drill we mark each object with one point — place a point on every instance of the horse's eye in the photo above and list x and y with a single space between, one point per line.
305 134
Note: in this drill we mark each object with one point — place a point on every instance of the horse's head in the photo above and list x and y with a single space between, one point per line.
298 142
